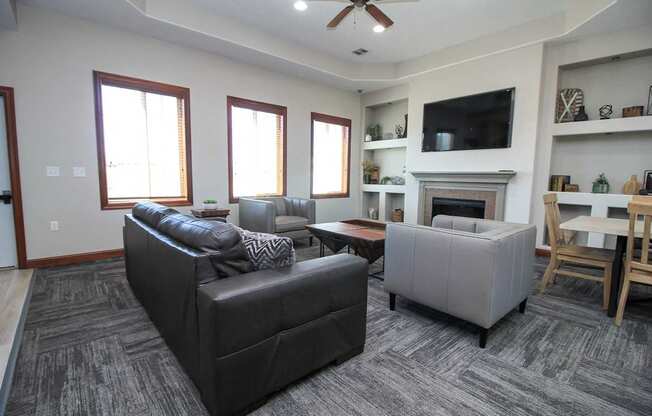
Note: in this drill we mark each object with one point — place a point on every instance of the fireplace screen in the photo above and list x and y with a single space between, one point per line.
458 207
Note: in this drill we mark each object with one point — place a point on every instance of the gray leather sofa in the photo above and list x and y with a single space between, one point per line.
284 216
241 335
474 269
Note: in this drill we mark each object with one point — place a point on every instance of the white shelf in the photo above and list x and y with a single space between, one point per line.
614 125
390 189
590 199
385 144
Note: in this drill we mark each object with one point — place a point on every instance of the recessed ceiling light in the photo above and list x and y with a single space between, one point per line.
379 28
300 5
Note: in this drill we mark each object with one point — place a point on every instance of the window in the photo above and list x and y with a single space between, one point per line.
331 140
257 137
143 141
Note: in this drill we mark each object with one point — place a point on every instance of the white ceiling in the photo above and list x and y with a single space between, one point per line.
420 28
428 35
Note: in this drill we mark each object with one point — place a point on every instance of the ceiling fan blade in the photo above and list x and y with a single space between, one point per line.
340 16
379 16
395 1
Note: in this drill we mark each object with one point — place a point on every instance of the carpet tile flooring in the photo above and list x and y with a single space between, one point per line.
90 349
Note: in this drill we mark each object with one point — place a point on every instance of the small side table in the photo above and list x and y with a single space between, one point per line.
211 214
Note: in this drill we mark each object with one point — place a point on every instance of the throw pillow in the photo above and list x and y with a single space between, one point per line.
268 251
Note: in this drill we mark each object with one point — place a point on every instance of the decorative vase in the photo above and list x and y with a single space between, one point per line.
366 178
581 114
209 205
632 186
600 188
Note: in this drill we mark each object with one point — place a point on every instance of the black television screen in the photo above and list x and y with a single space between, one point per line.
482 121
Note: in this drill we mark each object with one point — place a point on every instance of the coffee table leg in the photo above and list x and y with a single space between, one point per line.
616 272
321 248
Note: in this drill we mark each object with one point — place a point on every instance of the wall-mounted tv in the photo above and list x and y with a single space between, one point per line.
481 121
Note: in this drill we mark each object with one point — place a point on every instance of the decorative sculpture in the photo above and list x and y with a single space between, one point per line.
606 111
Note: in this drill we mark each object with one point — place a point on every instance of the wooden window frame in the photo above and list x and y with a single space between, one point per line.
340 121
104 78
255 106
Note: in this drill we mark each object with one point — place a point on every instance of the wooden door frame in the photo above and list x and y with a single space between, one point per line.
14 174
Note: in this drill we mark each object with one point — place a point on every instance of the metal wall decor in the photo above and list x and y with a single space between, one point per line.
568 104
649 102
606 111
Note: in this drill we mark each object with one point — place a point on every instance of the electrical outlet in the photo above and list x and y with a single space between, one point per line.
54 225
79 171
52 171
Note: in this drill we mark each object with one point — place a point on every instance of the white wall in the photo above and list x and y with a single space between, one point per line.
49 61
520 68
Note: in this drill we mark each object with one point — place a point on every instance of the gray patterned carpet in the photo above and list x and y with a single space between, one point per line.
89 349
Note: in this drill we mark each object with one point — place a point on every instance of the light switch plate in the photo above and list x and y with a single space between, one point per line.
79 171
52 171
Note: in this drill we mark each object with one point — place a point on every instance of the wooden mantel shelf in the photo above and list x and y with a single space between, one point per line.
499 176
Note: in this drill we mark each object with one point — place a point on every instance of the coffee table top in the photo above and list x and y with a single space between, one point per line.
363 229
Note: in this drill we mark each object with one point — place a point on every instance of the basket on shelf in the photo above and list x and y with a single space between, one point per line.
397 215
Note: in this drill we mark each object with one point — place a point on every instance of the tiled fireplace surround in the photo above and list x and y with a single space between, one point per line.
489 187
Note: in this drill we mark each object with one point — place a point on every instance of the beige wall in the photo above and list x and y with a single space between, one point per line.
49 61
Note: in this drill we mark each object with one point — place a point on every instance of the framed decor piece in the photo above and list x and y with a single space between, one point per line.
647 177
569 101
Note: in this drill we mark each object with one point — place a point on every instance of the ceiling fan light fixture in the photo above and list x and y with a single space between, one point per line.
379 28
300 5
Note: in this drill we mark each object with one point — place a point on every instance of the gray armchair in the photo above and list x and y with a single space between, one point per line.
474 269
284 216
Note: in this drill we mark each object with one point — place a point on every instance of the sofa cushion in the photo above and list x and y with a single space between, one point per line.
151 213
268 251
290 223
221 240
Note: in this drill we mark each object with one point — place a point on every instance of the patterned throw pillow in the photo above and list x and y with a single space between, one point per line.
268 251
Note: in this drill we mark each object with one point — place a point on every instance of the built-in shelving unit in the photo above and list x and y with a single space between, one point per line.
614 125
388 154
618 147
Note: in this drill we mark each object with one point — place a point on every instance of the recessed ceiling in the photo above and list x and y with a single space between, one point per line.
420 28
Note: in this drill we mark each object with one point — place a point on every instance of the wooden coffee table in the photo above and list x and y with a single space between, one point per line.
365 237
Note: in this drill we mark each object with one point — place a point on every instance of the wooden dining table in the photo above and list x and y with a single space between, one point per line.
609 226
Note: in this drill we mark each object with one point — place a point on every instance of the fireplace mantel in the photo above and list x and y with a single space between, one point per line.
489 187
501 176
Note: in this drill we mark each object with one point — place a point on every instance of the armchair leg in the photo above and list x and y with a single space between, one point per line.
309 241
392 301
522 305
484 334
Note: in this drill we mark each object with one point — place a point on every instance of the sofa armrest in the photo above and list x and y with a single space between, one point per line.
257 215
302 207
241 311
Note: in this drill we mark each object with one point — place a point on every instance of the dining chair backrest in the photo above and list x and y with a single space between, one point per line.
639 206
552 220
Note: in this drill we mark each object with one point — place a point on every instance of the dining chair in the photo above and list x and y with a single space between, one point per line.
563 253
637 262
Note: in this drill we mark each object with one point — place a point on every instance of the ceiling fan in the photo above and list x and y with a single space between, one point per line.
368 5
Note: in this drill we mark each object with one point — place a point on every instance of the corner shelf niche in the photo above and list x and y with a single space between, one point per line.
389 155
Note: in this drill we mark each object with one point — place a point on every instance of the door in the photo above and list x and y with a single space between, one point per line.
8 256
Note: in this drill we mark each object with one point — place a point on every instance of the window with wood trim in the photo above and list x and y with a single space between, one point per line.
331 162
143 141
257 134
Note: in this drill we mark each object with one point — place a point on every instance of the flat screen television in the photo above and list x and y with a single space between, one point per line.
481 121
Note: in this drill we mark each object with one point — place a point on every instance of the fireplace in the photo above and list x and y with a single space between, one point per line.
467 194
459 207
